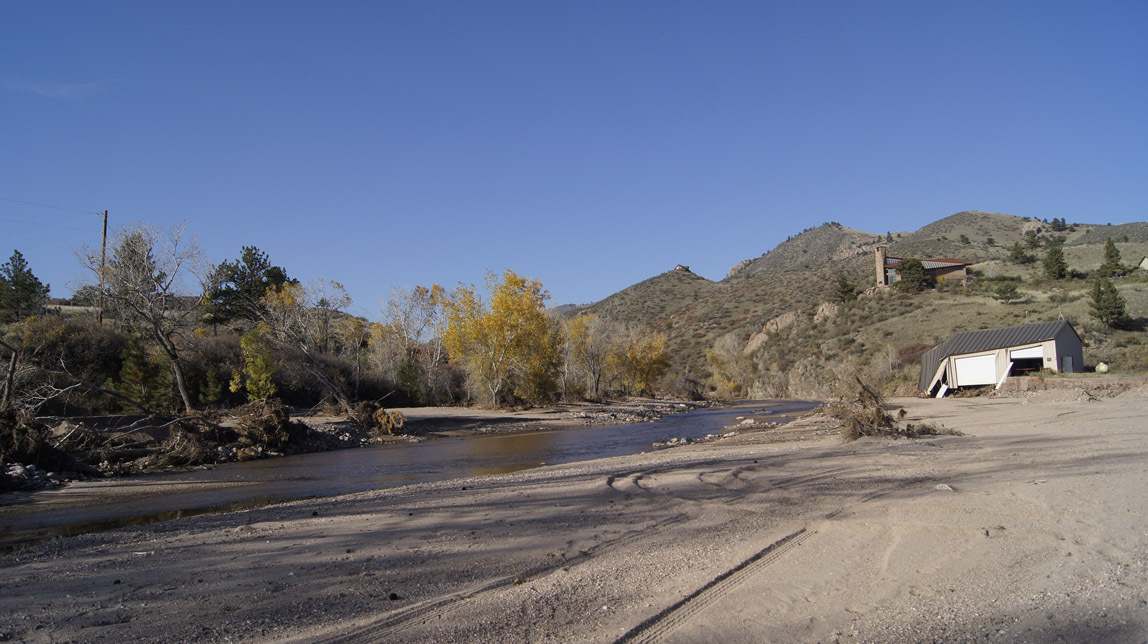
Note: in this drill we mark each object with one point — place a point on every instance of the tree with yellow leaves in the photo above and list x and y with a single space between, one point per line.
508 345
255 375
732 369
640 361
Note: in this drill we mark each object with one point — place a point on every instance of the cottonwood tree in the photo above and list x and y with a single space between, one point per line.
641 360
506 343
406 345
733 371
590 340
145 281
302 317
21 293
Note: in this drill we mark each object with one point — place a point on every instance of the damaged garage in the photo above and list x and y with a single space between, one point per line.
989 356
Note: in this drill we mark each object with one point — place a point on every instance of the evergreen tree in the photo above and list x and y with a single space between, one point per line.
1018 255
845 291
21 293
237 288
1055 268
1107 304
143 378
1111 265
914 277
1007 292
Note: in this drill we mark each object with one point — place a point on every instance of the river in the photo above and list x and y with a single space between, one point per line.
101 505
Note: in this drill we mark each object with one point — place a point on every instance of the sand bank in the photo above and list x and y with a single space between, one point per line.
1030 527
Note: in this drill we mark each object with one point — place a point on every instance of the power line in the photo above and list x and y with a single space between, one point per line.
39 223
41 205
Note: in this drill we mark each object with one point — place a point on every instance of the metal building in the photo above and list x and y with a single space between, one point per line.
989 356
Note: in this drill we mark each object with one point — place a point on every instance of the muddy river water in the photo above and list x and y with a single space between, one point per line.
100 505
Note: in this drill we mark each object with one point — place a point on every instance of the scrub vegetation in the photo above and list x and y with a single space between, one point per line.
178 337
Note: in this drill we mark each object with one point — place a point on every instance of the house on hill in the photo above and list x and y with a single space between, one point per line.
940 269
989 356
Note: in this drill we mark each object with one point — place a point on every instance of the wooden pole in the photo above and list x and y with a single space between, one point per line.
103 259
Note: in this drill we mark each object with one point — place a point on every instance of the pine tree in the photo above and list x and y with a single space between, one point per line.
1018 255
21 293
845 291
914 277
1111 265
1107 304
143 378
1055 268
237 288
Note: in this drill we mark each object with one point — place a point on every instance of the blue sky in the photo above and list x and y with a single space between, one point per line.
588 144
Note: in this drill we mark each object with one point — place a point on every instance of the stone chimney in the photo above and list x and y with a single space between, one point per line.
879 253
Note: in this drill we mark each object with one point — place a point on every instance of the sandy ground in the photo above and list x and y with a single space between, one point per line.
1030 527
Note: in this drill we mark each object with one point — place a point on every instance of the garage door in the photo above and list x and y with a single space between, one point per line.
977 370
1031 352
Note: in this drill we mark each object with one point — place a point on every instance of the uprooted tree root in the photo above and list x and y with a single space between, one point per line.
25 442
267 424
862 413
374 417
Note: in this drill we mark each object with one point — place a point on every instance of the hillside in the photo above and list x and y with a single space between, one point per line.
828 243
795 279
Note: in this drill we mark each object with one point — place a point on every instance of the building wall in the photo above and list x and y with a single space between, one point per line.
950 274
1067 344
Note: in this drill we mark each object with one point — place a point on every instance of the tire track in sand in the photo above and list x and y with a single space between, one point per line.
406 618
660 625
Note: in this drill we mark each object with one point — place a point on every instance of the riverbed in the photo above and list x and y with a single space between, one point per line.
92 506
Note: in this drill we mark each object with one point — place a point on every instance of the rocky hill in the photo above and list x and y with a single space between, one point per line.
828 243
793 281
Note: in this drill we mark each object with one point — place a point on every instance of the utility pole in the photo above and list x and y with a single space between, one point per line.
103 259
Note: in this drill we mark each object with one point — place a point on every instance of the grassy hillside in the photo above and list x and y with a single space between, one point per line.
883 333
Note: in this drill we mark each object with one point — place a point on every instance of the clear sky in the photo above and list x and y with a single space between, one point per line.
587 144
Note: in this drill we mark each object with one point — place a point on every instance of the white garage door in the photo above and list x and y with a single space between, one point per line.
1031 352
977 370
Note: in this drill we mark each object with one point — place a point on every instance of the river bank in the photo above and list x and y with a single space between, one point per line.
1029 527
129 445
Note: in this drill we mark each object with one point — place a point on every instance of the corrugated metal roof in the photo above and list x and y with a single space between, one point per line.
942 263
928 263
986 340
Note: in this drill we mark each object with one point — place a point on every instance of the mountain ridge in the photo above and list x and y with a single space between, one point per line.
800 274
